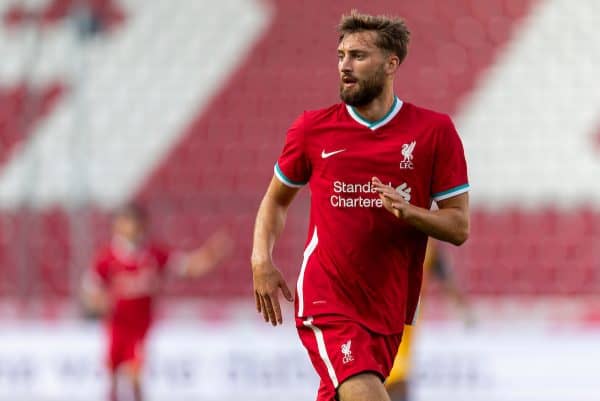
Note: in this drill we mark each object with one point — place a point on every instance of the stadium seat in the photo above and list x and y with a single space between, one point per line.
215 173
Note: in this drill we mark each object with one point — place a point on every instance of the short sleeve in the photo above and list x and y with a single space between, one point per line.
101 269
449 166
292 167
162 255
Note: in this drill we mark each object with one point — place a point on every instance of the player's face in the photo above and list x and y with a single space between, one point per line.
128 227
361 65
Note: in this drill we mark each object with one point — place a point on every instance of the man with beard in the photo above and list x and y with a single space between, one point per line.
374 165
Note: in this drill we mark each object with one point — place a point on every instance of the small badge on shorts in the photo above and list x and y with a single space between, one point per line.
347 352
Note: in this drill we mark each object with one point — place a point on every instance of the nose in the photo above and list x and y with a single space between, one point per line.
344 64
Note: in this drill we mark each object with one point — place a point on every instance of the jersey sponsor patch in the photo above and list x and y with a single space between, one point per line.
347 195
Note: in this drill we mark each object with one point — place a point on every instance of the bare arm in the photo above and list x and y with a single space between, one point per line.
267 279
449 223
205 258
94 296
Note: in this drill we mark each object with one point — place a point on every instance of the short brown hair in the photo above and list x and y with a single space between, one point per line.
133 210
392 33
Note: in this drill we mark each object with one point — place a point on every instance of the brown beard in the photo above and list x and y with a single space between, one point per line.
367 89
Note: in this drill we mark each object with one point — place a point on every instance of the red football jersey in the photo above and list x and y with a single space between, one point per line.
360 261
132 278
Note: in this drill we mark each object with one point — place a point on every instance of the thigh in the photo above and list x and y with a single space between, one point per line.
340 349
134 355
115 349
361 387
126 347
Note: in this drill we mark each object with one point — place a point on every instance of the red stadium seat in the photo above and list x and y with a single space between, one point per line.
218 170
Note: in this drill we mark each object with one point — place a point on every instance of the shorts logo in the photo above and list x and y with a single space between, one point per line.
407 150
347 352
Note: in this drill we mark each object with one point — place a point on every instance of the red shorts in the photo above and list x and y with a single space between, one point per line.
125 346
340 348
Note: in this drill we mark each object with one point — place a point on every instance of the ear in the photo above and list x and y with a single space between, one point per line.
392 64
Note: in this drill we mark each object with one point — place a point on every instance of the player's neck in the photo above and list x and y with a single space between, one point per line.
124 245
378 108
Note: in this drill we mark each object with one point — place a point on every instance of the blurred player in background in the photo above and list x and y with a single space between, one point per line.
124 282
374 164
435 267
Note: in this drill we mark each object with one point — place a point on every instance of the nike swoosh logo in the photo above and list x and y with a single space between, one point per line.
325 155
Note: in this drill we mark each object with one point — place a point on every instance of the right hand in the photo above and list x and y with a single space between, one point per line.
267 282
393 201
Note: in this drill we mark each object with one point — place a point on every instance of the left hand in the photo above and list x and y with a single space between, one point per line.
392 200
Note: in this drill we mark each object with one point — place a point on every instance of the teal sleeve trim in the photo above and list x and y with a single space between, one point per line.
279 174
451 192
